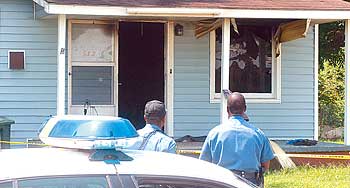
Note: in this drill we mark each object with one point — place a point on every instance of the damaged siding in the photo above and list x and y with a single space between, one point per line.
195 115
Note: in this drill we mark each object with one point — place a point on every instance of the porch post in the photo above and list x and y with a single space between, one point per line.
347 85
61 61
225 66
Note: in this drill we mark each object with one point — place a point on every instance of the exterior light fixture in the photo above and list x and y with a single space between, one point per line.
179 30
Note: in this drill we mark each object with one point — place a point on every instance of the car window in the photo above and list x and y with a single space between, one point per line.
178 182
6 185
65 182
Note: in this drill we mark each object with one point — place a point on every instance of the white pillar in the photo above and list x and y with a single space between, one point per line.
225 66
169 45
347 84
61 61
316 46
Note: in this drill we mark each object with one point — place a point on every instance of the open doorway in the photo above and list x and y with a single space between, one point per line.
141 68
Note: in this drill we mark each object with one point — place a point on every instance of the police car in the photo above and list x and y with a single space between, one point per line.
80 157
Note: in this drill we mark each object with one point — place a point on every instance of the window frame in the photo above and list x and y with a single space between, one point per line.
273 97
111 179
171 179
112 63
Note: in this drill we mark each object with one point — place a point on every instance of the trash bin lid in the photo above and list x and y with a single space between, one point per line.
6 121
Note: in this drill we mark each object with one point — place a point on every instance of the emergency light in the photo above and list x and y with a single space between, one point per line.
90 132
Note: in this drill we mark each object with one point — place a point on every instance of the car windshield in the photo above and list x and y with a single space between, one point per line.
107 129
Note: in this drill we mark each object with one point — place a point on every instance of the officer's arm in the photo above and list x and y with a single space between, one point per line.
172 147
266 165
206 152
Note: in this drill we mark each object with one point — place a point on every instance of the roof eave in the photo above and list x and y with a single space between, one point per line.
191 12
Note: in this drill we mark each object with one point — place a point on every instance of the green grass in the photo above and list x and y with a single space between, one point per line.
309 177
337 141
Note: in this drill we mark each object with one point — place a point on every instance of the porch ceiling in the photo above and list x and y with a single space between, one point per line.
226 4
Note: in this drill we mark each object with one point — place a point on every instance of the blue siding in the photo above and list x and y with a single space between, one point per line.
195 115
27 96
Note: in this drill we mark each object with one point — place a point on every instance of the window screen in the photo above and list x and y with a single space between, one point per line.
93 85
92 43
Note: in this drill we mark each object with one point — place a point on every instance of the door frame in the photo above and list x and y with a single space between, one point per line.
169 76
115 59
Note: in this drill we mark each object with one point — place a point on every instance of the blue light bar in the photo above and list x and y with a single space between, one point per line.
93 129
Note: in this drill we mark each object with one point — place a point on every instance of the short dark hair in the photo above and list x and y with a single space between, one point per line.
155 110
236 103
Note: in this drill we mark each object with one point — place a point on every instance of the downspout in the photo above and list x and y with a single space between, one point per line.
347 84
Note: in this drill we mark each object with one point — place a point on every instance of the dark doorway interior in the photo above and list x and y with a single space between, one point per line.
141 68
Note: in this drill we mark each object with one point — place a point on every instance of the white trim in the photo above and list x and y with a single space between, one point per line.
273 97
42 3
51 8
169 74
61 64
69 67
316 131
213 97
24 58
116 70
347 84
112 64
225 66
93 64
252 101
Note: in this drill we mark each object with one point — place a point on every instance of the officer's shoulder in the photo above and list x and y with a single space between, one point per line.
164 136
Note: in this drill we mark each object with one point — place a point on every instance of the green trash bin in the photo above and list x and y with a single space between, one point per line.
5 131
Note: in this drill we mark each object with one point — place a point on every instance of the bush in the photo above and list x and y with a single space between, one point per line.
331 95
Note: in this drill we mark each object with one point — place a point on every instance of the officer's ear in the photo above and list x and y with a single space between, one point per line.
228 112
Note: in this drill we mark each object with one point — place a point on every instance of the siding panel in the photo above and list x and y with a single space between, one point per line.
27 96
195 115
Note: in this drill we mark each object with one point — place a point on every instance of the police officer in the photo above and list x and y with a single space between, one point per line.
238 145
154 138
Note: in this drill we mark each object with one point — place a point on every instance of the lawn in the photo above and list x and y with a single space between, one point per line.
309 177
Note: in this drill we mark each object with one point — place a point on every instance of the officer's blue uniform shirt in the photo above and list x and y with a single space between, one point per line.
237 145
157 141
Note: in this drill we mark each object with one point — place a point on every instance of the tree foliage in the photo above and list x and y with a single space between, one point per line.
331 74
331 95
331 39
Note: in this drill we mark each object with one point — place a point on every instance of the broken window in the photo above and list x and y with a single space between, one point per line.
250 60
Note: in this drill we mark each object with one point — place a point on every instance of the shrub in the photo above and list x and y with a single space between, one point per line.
331 95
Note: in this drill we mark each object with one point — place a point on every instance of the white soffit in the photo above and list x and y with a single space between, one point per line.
191 12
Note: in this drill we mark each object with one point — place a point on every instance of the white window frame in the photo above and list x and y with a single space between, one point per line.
273 97
24 59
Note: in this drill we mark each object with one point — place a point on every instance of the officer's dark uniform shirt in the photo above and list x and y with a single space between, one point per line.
237 145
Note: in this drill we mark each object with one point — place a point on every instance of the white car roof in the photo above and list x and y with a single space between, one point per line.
31 162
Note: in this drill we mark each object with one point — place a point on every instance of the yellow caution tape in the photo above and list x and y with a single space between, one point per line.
23 143
195 152
315 156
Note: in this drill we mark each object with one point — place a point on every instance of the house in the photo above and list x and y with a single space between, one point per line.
109 57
